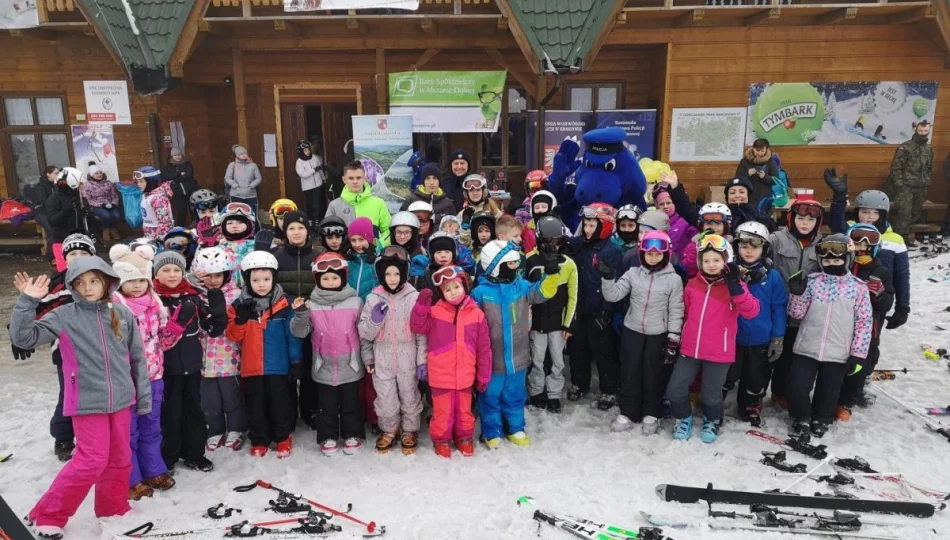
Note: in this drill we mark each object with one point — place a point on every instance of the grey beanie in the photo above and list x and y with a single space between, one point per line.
175 150
169 257
238 150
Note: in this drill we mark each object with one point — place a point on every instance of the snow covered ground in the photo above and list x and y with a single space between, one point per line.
574 464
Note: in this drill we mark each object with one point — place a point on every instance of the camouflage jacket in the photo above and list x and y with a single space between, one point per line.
913 164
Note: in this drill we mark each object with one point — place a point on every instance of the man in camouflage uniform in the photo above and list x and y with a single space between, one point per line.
910 179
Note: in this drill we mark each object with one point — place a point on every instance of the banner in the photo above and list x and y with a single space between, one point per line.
707 134
314 5
795 114
95 144
18 14
448 101
107 102
383 144
640 125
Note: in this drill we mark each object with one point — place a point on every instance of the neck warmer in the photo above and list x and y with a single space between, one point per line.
919 139
836 270
864 259
630 237
182 288
324 297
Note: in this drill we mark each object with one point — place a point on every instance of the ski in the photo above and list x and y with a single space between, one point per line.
797 444
11 528
938 411
689 494
788 530
370 527
859 464
933 425
657 521
6 457
588 528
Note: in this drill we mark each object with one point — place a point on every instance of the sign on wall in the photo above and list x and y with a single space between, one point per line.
448 101
95 144
18 14
383 143
107 102
707 134
790 114
314 5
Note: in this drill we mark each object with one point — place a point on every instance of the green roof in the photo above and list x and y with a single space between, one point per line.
562 30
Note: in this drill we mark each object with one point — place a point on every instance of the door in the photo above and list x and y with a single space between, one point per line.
293 125
337 131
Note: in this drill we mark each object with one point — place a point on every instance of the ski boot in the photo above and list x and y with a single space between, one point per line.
710 431
493 443
385 442
409 443
752 414
554 406
865 400
574 393
234 440
329 447
201 464
258 451
162 482
442 449
621 423
843 414
48 532
539 401
818 428
519 438
64 450
799 429
683 428
285 447
214 442
607 402
466 447
140 491
650 425
352 446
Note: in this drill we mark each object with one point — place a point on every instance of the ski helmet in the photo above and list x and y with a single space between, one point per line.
70 177
867 233
629 212
441 241
204 199
495 255
543 196
392 256
213 260
257 260
485 218
280 208
535 181
876 200
754 233
834 246
713 242
655 242
475 181
405 219
654 220
179 239
449 274
605 216
330 262
811 208
712 210
550 228
237 212
420 207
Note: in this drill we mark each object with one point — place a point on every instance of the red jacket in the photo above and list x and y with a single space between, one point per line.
458 342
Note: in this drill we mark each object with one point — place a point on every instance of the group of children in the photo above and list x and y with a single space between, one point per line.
227 331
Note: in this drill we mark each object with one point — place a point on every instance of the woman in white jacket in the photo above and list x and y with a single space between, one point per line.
310 171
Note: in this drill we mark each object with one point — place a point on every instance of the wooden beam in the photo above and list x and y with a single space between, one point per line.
429 27
240 96
370 41
601 37
41 12
280 145
763 16
942 12
912 15
837 15
520 38
666 107
691 17
382 82
524 80
184 47
246 9
502 25
427 55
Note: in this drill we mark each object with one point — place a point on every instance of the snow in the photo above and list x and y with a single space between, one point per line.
574 464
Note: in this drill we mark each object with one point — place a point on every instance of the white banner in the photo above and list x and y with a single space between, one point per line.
18 14
107 102
315 5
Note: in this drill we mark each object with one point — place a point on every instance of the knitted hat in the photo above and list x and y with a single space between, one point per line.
362 227
169 257
175 150
131 265
431 169
440 241
741 182
663 195
238 150
93 169
77 241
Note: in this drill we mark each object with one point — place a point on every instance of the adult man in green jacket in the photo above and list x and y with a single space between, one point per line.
357 200
910 178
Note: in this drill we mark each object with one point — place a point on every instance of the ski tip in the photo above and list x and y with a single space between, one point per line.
525 500
660 491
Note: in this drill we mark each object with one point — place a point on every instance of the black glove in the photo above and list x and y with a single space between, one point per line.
295 371
797 284
605 271
186 312
855 366
838 185
604 320
550 256
898 319
263 240
21 354
245 311
730 274
672 349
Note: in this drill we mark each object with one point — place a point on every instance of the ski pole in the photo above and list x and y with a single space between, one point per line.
890 370
935 426
807 474
144 530
370 527
896 475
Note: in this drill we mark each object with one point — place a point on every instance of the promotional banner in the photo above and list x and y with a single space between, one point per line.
95 144
18 14
107 102
448 101
640 125
383 144
314 5
707 134
795 114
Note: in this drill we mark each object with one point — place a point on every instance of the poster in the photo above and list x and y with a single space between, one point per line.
796 114
640 125
95 144
18 14
448 101
107 102
707 134
383 143
291 6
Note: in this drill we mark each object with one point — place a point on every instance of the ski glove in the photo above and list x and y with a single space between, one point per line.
838 185
603 320
208 232
184 313
776 346
422 372
481 387
245 311
797 284
730 274
21 354
378 313
672 349
263 239
605 271
898 319
875 286
549 255
855 366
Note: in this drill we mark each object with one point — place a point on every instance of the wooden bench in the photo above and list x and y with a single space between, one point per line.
16 239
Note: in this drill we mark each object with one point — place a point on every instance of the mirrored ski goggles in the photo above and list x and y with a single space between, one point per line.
334 230
654 245
593 212
536 185
283 210
807 210
832 249
474 183
444 274
395 252
238 208
751 239
326 265
713 242
206 205
871 238
714 218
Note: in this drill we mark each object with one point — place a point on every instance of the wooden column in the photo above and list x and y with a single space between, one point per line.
240 98
382 83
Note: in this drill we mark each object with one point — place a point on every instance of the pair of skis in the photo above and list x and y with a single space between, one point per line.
587 528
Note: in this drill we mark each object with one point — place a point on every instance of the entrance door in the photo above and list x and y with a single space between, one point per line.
337 131
293 125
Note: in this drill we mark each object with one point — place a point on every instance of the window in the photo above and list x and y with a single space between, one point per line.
33 135
506 146
594 97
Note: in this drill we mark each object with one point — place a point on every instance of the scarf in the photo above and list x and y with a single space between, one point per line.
182 288
143 305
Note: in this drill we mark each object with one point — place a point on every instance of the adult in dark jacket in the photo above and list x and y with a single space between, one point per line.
431 192
739 193
910 178
758 166
181 173
37 195
64 206
460 166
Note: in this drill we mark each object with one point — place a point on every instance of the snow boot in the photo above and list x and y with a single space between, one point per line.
234 440
781 401
492 444
519 438
607 402
683 428
64 450
140 491
202 464
650 425
865 400
540 401
214 442
258 451
162 482
799 429
818 428
442 449
409 442
285 447
329 447
385 442
554 405
352 446
466 447
843 414
621 423
574 393
710 431
48 532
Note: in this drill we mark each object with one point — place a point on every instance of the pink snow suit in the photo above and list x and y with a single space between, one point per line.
712 319
222 356
157 217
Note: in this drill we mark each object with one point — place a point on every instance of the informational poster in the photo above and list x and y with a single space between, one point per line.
95 144
448 101
314 5
383 143
707 134
18 14
107 102
803 113
640 125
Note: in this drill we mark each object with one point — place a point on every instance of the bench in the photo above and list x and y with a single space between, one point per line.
17 239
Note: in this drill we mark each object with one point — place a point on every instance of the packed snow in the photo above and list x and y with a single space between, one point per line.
575 464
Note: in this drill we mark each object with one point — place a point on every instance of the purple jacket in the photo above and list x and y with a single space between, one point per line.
100 193
681 234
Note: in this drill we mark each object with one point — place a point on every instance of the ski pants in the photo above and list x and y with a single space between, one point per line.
368 400
824 403
184 432
270 412
103 459
452 417
223 405
592 342
60 426
752 370
853 387
314 199
641 374
713 377
542 344
398 402
505 398
146 439
307 402
338 413
782 366
181 209
906 206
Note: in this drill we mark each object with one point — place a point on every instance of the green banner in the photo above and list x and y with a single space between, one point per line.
448 101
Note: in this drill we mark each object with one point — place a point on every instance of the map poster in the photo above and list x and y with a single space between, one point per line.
383 143
707 134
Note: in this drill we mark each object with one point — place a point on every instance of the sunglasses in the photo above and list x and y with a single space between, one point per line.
808 210
872 238
395 252
713 242
283 210
474 183
751 239
833 249
206 205
446 273
326 265
655 245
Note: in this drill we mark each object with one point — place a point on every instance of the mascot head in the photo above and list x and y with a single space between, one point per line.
609 172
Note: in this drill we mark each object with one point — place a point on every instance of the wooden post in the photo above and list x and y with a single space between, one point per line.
240 98
665 112
280 144
382 82
42 14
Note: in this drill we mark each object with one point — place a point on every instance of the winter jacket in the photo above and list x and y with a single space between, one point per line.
243 177
681 234
157 218
331 320
310 172
99 193
465 216
37 194
789 257
451 184
880 303
835 314
238 249
187 355
293 269
768 287
912 164
761 187
656 299
150 316
742 213
442 205
395 348
267 345
182 177
361 274
711 325
557 314
587 256
222 356
65 213
350 206
97 363
459 350
506 307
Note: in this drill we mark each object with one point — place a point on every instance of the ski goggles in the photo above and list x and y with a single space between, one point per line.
395 252
654 245
206 205
177 243
238 208
326 265
807 210
474 183
139 175
595 212
333 230
712 242
631 214
871 238
536 185
832 249
283 210
445 274
717 218
753 240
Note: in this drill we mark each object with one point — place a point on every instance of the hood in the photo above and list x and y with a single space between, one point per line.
84 264
356 198
438 196
749 155
323 297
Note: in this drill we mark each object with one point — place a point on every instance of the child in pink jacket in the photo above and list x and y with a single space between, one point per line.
714 300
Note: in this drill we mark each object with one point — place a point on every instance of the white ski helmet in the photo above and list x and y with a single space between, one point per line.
213 260
715 208
418 206
257 260
496 253
71 176
753 228
405 218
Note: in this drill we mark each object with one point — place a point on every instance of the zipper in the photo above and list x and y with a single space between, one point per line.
643 320
725 339
299 286
702 316
824 333
102 334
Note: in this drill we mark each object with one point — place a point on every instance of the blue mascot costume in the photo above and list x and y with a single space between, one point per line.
609 173
416 162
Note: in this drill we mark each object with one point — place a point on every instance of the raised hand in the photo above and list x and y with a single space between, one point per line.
298 302
37 287
21 280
